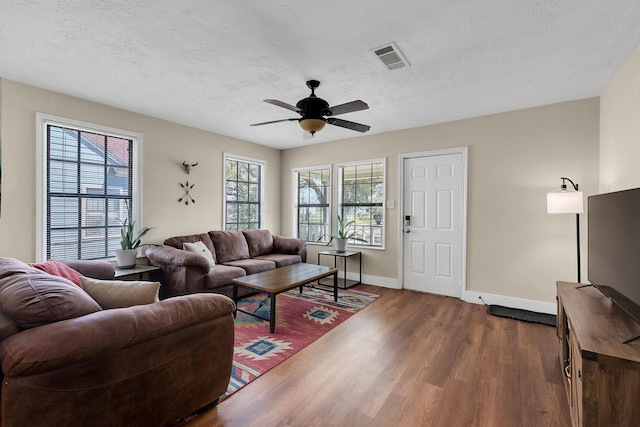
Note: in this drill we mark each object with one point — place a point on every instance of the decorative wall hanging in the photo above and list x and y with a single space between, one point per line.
187 166
186 197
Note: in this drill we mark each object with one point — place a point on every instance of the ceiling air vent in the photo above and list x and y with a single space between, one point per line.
391 56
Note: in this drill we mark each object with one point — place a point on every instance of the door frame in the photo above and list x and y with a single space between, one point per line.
464 151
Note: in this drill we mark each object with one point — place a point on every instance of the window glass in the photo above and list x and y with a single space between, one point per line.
362 201
313 204
88 192
243 198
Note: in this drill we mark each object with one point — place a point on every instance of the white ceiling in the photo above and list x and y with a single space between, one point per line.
209 64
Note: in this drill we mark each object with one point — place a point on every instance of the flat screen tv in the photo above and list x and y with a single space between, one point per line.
614 247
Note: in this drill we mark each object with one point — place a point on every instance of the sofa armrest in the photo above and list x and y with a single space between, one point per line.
169 256
105 332
290 246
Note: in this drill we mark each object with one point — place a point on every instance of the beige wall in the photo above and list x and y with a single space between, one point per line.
165 146
514 248
620 129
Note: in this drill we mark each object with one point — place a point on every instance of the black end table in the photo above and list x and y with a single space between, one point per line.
346 283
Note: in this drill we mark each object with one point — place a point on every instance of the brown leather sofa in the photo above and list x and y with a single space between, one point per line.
67 362
235 254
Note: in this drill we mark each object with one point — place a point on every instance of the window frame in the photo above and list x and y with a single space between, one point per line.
340 208
42 121
261 190
296 203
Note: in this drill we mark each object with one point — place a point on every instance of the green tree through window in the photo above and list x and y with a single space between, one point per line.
313 209
362 188
243 194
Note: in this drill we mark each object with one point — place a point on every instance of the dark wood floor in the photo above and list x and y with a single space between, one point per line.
410 359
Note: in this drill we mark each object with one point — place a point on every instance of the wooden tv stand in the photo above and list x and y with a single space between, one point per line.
602 374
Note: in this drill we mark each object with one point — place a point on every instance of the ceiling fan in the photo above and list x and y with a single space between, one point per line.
315 112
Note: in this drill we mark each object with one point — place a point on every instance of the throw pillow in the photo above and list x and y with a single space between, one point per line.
120 293
200 248
56 268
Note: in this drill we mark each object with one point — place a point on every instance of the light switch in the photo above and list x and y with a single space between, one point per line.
391 204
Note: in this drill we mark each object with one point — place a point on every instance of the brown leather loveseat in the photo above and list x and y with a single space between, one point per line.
229 255
68 362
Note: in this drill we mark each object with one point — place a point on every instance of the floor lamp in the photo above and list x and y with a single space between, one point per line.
563 201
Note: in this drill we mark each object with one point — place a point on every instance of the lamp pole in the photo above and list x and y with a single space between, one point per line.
578 240
575 187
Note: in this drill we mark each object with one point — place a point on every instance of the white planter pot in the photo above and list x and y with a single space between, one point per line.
126 258
340 245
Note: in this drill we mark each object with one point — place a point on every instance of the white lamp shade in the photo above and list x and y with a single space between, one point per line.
559 202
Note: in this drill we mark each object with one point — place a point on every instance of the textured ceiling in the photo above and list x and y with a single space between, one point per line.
209 64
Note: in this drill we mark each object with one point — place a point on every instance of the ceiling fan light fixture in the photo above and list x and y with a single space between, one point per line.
312 111
312 125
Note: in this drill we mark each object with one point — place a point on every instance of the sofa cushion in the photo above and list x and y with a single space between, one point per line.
30 297
260 242
177 242
222 275
121 293
201 249
281 260
7 327
253 266
57 268
230 246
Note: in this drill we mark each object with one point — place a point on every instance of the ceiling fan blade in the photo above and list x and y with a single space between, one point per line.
274 121
348 107
283 105
347 124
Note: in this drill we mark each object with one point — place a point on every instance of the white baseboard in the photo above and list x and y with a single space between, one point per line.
383 282
524 304
468 296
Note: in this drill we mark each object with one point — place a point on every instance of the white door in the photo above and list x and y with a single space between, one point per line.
433 242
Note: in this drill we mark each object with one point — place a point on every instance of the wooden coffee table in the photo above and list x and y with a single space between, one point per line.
274 282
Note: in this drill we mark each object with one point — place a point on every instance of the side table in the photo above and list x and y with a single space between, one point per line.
346 283
140 270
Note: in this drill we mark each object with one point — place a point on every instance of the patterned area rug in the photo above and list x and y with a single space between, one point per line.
300 320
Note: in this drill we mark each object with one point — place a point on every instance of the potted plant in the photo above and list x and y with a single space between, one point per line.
344 235
129 242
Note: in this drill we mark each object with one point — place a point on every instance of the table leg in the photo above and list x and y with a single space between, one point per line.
344 280
272 315
335 286
235 299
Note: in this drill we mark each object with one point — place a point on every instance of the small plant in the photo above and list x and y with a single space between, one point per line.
127 233
344 233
